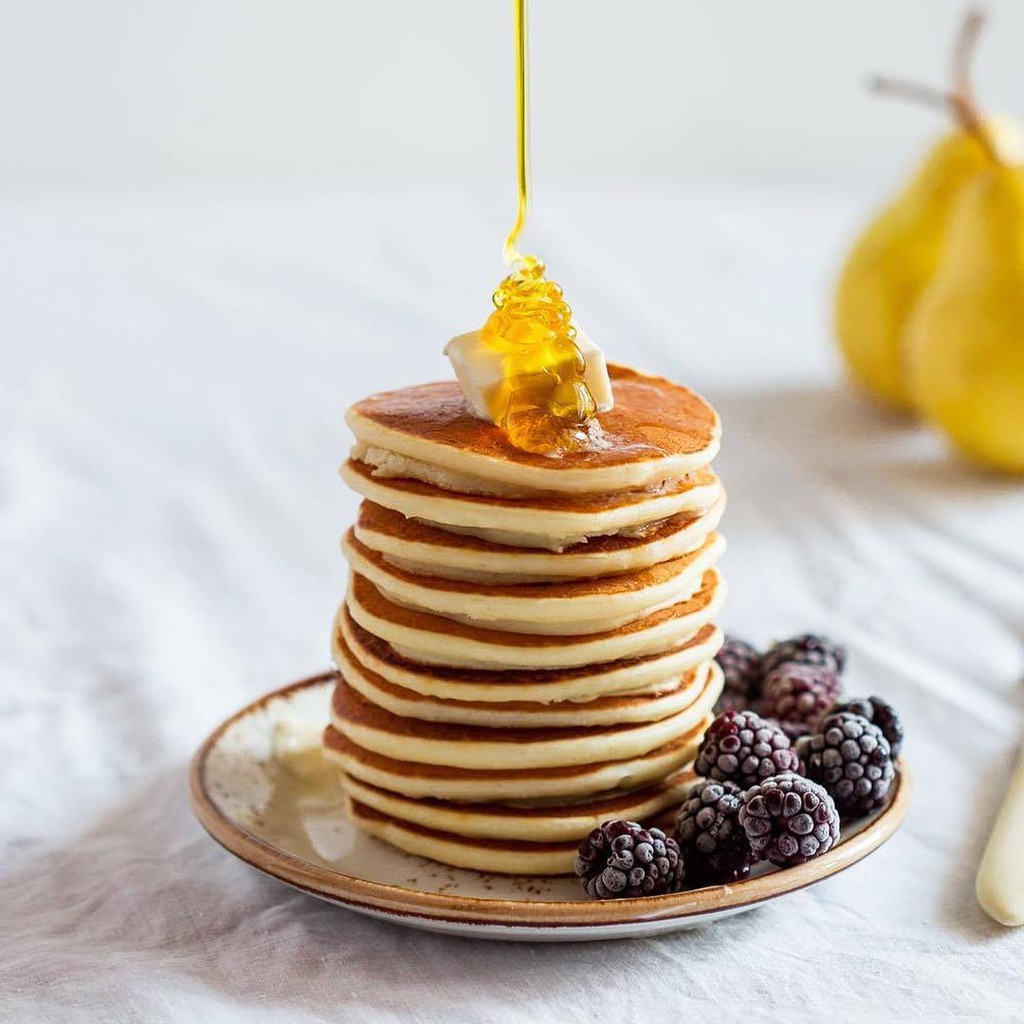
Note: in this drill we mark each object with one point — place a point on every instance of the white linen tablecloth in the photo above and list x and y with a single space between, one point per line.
175 366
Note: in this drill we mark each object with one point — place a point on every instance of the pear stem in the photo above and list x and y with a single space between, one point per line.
916 92
959 101
963 52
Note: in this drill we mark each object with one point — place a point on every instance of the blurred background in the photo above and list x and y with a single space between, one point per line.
116 91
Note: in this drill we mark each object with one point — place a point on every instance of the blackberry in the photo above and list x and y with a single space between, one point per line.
621 859
715 849
794 730
789 819
851 758
798 694
742 747
805 649
881 713
741 666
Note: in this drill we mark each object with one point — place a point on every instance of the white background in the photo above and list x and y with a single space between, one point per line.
337 90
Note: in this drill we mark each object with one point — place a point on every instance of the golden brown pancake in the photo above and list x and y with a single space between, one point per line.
551 822
558 608
653 672
552 521
431 551
612 710
433 639
418 780
492 856
478 747
658 430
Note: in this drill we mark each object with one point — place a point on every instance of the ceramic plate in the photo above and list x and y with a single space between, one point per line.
291 826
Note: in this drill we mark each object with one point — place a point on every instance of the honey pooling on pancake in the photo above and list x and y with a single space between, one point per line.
543 403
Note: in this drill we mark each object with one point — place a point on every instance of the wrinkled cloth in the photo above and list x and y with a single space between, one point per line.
175 369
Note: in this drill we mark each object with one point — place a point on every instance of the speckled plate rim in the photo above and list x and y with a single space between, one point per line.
399 901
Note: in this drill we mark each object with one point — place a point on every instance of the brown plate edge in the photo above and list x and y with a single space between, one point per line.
542 914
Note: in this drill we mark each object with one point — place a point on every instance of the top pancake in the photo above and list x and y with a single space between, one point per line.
657 431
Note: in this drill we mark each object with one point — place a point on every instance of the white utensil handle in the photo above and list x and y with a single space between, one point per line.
1000 885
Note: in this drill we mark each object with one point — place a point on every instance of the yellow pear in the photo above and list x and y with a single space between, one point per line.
897 256
964 341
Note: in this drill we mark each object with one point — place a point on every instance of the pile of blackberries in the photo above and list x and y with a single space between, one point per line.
783 763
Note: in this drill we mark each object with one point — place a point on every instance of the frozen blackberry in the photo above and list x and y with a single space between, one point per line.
881 713
715 848
851 758
806 649
794 730
798 695
742 747
789 819
741 666
622 859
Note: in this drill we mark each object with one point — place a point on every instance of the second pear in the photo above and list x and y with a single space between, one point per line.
965 340
897 256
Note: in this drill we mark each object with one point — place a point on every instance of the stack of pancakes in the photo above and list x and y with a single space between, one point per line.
526 648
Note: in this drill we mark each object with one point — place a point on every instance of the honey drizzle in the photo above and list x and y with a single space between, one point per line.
511 249
542 403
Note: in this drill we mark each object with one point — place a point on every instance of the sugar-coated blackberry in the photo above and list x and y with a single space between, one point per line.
789 819
798 694
715 848
622 859
851 758
741 666
881 713
742 747
805 649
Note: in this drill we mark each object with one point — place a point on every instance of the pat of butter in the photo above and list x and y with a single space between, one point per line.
480 369
297 745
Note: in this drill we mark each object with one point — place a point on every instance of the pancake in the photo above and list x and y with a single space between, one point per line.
492 856
485 749
553 608
657 431
551 823
632 675
419 780
614 710
554 522
427 550
432 639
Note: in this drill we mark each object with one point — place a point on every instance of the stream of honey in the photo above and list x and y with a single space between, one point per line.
543 403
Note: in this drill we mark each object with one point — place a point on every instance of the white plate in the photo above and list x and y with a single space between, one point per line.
294 829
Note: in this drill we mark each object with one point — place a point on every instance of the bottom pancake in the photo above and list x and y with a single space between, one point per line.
417 780
493 856
547 823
